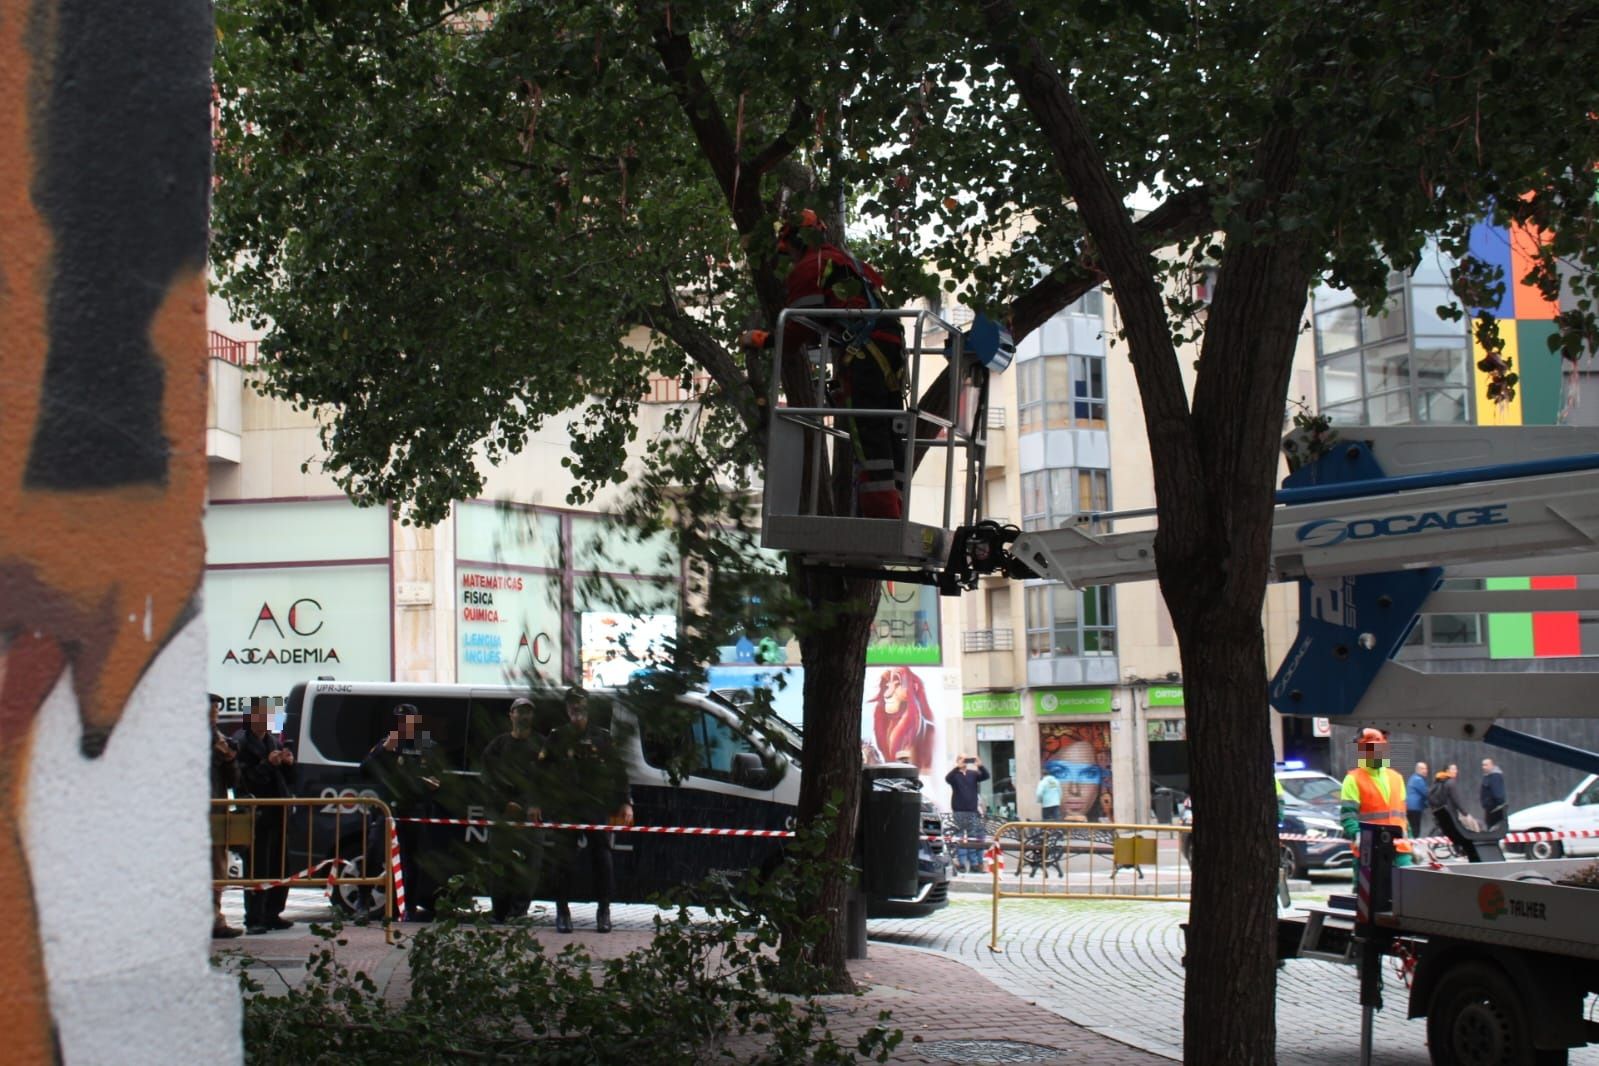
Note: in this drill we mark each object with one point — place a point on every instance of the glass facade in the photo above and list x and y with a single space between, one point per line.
1052 498
1408 364
1061 392
1062 412
1063 622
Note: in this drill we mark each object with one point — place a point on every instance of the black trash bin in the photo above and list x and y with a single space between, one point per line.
1165 805
890 829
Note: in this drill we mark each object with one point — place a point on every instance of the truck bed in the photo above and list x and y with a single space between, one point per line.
1515 904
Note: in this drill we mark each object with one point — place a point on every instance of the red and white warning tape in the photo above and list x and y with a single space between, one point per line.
994 859
670 830
1508 838
398 869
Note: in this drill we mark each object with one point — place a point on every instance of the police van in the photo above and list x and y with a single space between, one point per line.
733 773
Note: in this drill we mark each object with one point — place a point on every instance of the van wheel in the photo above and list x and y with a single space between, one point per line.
1476 1018
1545 849
357 902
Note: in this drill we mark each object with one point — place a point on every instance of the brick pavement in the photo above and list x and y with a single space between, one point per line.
939 1003
1115 967
1097 982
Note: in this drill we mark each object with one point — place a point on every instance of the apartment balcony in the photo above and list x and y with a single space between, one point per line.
224 417
988 659
997 453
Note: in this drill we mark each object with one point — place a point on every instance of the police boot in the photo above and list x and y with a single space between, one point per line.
602 918
563 918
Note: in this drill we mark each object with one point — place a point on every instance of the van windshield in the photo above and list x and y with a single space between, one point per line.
784 735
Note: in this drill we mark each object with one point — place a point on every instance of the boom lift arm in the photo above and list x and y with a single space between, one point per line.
1371 531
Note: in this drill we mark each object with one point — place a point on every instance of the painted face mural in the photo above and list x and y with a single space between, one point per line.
1078 756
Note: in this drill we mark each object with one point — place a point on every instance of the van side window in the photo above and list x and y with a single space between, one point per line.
718 743
666 745
345 727
1590 795
488 718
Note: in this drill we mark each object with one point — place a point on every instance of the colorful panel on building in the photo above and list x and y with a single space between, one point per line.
905 631
991 705
1056 701
1078 755
1526 322
901 715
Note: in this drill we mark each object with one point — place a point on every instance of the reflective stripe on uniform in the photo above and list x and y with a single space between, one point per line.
1378 792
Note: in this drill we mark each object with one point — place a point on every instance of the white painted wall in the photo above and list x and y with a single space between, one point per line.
120 854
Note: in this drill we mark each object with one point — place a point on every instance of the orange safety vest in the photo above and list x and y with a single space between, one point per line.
1382 809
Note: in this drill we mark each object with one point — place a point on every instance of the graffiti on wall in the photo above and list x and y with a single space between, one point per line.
102 393
901 723
1077 754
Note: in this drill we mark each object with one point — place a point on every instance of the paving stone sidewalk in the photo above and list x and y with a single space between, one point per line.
948 1012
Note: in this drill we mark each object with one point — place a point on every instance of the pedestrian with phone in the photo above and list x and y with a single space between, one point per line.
966 803
407 767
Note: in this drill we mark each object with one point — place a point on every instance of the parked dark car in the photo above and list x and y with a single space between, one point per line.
1324 849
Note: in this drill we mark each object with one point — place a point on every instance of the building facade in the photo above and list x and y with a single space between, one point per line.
1084 684
1416 365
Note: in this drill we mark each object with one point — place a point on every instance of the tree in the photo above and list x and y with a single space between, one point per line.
453 215
1289 141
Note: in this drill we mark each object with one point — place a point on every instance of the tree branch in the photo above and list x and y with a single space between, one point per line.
744 393
1122 249
799 121
720 150
1182 215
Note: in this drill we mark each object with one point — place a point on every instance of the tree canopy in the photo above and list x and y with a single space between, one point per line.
453 215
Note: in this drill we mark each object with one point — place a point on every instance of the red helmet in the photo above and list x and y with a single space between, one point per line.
1371 736
789 237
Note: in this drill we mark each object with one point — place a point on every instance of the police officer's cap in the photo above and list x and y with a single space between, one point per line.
403 709
521 703
576 694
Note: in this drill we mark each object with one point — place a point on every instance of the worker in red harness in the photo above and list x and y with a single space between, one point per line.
1373 792
871 366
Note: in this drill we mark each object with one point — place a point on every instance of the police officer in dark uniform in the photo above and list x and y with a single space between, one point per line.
408 767
266 771
581 779
510 768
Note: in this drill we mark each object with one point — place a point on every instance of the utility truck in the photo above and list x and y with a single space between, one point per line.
1500 956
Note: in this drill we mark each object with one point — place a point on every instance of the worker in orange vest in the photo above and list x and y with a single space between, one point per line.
1374 792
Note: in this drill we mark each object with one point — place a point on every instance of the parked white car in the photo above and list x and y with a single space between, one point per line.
1580 810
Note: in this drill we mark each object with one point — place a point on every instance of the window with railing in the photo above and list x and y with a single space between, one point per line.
1450 630
975 640
1067 623
1061 392
1053 498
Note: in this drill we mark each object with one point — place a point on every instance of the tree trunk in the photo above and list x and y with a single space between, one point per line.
834 654
1213 552
1229 1006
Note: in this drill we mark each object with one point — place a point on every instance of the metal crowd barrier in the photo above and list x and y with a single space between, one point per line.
1087 860
235 824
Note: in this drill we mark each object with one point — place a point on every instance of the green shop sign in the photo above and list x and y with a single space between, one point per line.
1072 701
991 705
1165 695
